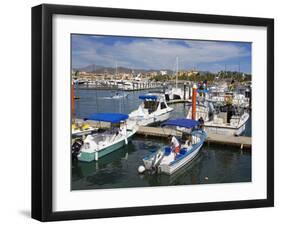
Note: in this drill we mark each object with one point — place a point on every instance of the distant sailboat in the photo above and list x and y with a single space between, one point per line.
175 93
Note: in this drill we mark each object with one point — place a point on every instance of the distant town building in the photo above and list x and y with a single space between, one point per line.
163 72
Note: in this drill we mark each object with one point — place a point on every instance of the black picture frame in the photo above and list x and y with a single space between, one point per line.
42 111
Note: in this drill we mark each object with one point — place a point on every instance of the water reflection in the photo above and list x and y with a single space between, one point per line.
214 164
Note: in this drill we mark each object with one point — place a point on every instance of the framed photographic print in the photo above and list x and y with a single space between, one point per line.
146 112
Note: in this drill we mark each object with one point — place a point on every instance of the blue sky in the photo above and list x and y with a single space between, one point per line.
156 53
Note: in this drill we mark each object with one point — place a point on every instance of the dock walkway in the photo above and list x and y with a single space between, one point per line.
238 141
213 138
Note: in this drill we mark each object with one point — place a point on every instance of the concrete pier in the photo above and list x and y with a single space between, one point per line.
237 141
242 142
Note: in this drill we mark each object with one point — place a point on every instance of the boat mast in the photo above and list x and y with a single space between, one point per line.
115 70
177 70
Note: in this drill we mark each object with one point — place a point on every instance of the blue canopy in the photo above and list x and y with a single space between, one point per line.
181 122
148 97
108 117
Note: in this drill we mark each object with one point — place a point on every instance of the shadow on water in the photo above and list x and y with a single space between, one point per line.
105 171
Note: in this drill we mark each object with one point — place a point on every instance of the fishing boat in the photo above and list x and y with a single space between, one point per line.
153 109
226 119
165 160
116 136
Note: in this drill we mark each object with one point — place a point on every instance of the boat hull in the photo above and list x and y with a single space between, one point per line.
172 168
153 119
95 155
226 129
168 164
89 157
229 131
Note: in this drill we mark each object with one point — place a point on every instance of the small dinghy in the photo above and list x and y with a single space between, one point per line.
165 160
119 95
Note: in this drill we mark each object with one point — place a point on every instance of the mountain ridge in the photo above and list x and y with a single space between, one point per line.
111 70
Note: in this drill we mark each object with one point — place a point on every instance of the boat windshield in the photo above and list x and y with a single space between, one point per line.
151 105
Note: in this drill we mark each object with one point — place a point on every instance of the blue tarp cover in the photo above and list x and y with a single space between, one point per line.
148 97
108 117
182 122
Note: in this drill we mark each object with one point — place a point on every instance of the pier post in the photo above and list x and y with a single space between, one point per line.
72 100
184 91
250 96
194 94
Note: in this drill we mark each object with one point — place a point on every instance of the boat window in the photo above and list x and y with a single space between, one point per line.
87 145
151 105
163 105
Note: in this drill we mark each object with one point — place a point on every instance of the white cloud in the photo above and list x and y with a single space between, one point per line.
154 53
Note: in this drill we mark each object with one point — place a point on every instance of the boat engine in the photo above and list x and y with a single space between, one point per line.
75 149
158 158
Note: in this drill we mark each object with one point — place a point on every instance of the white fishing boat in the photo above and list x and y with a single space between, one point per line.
227 119
116 136
153 109
167 161
127 85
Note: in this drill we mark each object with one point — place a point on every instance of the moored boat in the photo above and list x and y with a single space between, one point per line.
153 109
227 119
165 160
116 136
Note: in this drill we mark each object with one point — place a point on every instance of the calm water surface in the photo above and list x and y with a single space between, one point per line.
214 164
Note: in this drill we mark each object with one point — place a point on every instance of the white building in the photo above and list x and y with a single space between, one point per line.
163 72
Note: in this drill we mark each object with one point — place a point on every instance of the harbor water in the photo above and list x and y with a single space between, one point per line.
214 164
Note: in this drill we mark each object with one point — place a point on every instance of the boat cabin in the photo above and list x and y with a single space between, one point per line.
153 103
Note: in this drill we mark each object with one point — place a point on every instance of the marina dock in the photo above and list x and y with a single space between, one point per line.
242 142
120 86
179 101
238 141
